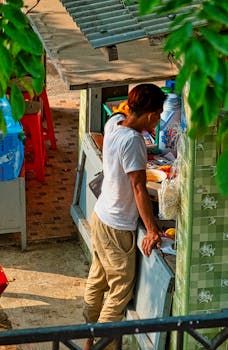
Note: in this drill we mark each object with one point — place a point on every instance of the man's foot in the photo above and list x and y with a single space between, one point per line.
88 344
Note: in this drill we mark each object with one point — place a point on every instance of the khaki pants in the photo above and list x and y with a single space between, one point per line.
112 270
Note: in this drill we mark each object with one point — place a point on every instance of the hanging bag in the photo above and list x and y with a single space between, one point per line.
96 184
169 197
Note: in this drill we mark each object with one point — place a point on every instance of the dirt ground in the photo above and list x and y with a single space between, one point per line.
47 285
47 281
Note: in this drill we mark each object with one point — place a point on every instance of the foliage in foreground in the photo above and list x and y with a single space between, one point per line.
21 54
203 51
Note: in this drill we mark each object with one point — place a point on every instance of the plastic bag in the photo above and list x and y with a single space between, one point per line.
169 199
11 144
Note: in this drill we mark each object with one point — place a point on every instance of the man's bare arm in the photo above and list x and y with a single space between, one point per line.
143 201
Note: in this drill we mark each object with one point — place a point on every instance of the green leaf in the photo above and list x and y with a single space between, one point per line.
220 81
196 54
3 83
26 85
198 125
224 141
19 69
214 13
172 6
212 63
2 122
182 78
218 41
15 48
5 62
197 116
179 19
17 102
146 6
15 16
179 37
198 84
27 39
223 5
17 4
32 64
211 110
2 91
226 102
223 132
222 173
38 85
220 76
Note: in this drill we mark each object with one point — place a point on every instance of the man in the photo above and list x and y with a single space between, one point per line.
123 198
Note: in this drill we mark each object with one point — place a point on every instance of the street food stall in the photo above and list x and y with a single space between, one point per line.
190 274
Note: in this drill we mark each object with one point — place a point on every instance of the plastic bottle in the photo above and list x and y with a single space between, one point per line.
11 144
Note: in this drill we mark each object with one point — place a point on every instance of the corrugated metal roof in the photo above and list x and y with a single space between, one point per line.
83 67
110 22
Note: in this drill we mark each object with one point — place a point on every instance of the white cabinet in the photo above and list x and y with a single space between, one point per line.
13 208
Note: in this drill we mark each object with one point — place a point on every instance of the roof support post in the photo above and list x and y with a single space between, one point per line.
110 52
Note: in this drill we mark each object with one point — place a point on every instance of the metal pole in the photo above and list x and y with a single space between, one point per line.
180 340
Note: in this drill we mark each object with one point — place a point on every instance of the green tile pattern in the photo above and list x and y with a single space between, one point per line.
206 148
209 267
206 269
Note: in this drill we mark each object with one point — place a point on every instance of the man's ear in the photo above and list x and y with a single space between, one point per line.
153 118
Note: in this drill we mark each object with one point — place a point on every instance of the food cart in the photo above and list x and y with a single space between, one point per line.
197 281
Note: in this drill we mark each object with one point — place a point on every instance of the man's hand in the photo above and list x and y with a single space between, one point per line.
149 242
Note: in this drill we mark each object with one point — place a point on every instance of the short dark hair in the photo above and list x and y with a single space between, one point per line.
144 98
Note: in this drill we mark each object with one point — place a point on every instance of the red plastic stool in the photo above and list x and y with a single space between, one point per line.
35 150
47 120
48 128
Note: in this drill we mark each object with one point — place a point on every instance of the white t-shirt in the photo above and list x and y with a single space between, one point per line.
124 150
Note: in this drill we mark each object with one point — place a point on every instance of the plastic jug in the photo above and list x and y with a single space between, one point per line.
170 122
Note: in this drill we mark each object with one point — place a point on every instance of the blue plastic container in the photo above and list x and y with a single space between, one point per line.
11 145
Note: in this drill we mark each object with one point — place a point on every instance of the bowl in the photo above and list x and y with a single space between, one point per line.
155 175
